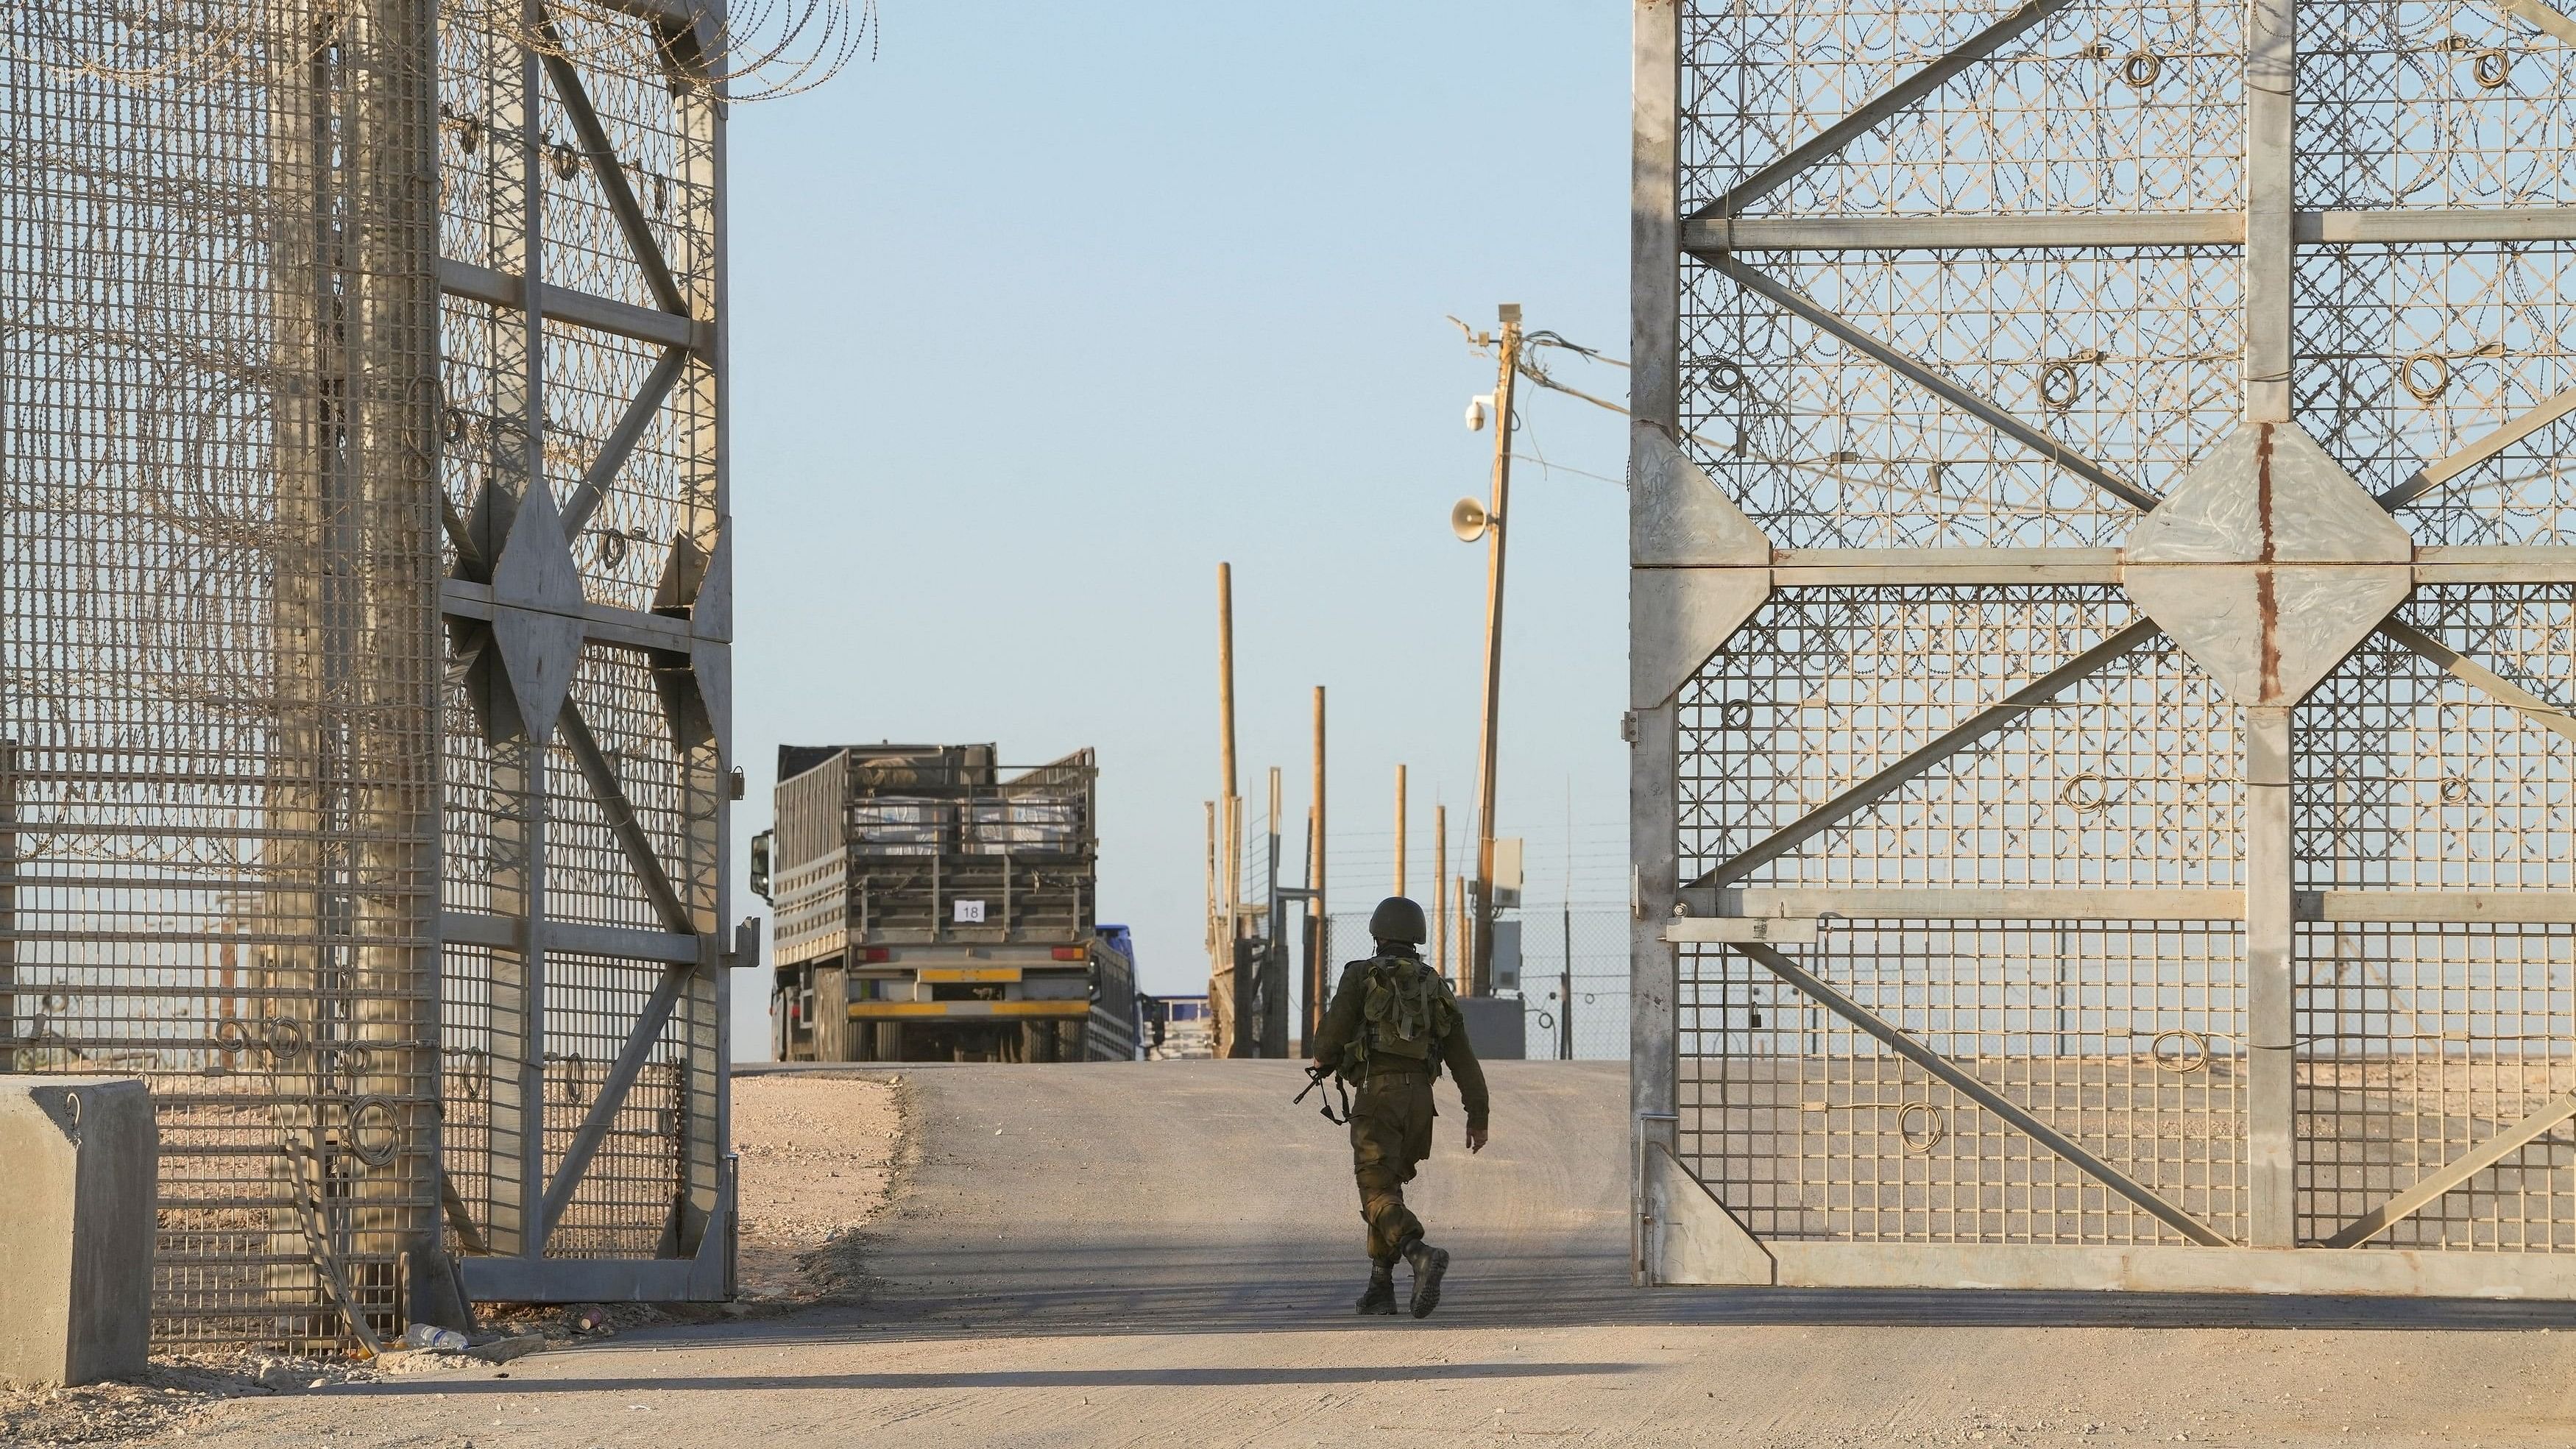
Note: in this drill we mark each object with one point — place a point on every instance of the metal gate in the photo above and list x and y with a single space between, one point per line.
2104 785
589 697
361 793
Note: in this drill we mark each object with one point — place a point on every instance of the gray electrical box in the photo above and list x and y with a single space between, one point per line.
1507 954
1507 870
1497 1026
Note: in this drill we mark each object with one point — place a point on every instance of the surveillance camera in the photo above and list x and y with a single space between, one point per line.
1476 412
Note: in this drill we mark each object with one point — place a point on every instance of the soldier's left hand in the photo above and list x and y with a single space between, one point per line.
1475 1140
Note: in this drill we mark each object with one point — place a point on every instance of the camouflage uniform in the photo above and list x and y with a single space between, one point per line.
1391 1113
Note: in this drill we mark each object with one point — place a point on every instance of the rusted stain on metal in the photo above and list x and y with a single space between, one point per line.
2267 604
2263 489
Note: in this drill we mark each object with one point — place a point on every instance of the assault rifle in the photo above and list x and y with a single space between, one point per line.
1315 1077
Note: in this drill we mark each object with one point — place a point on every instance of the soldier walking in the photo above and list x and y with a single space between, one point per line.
1393 1024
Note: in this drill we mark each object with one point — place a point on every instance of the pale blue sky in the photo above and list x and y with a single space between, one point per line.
1050 308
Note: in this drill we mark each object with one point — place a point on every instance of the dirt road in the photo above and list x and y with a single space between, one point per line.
1166 1253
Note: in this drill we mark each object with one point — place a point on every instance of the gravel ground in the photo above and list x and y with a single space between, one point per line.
1165 1253
176 1389
819 1160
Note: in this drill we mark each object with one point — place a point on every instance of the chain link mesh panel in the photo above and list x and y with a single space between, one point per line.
217 411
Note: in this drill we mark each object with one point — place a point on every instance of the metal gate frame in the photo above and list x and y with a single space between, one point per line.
590 916
1701 568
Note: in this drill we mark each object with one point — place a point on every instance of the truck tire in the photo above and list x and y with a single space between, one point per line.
831 1014
1070 1039
1037 1041
889 1040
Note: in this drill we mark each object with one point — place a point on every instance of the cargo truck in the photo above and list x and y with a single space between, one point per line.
930 906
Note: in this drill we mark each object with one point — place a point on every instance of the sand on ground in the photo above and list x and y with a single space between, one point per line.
1165 1253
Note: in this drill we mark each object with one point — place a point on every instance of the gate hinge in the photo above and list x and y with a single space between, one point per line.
746 946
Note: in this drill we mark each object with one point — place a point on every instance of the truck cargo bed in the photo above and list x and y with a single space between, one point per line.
931 905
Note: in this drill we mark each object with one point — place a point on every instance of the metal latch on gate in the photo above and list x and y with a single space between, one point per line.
1773 930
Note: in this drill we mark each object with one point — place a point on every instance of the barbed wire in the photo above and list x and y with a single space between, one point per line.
763 50
187 43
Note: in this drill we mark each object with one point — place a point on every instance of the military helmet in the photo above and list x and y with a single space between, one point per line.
1398 919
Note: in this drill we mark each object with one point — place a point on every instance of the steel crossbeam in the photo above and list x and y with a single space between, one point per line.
1930 755
1846 567
2455 1174
1970 903
610 794
1966 1085
581 309
1708 236
598 623
641 1038
2552 21
607 171
1939 386
621 440
2554 718
2451 465
1917 86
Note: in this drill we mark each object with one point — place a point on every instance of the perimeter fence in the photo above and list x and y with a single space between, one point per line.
364 611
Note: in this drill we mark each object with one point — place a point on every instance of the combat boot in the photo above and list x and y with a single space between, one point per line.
1379 1297
1429 1264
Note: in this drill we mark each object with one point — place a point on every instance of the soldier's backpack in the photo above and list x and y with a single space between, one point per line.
1409 1010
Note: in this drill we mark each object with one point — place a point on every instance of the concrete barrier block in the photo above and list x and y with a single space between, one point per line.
78 1157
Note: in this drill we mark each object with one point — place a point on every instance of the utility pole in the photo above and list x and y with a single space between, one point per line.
1565 979
1319 961
1399 830
1440 889
1481 938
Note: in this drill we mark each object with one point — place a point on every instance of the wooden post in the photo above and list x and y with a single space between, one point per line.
1312 1021
1466 964
1237 1031
1225 676
1440 888
1225 1002
1399 830
1233 797
1319 975
1273 977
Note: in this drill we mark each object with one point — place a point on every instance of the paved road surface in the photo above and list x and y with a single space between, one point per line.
1165 1254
